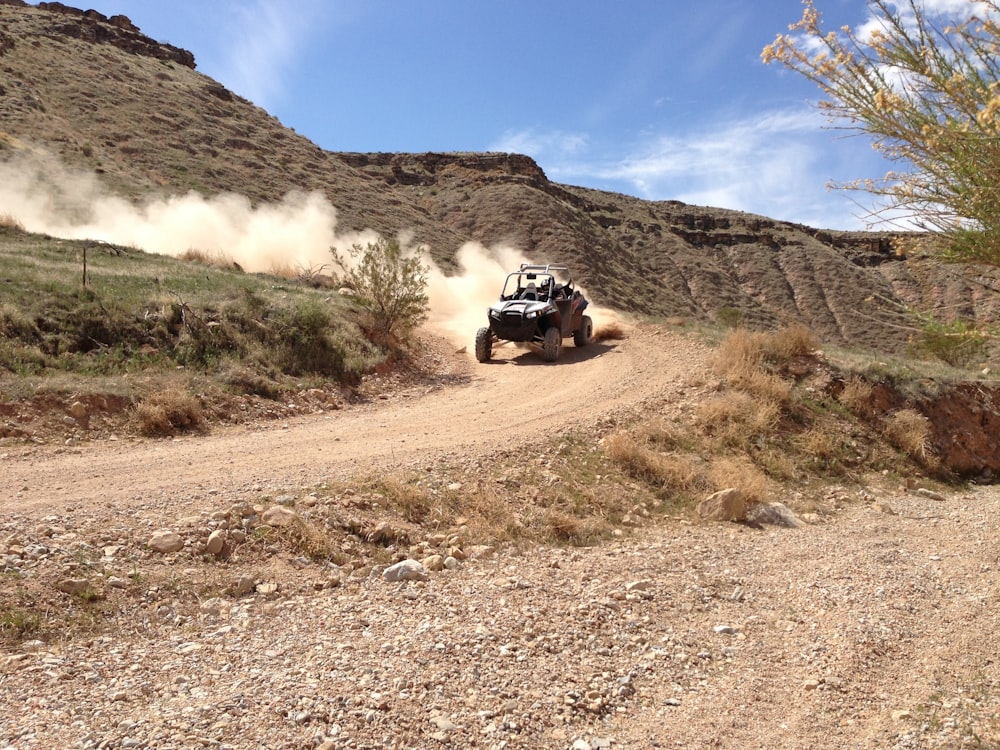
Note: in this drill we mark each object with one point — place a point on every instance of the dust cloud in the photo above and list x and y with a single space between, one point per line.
294 234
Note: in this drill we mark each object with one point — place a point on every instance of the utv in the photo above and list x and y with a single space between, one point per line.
536 308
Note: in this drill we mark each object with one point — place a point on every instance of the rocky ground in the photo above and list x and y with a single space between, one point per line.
871 630
870 626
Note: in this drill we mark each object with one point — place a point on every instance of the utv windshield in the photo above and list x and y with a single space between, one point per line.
531 286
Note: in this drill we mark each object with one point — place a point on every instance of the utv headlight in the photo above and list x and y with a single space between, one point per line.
532 314
495 314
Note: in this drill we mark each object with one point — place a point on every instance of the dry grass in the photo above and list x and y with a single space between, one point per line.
169 413
856 396
412 503
736 417
668 473
742 473
311 541
743 351
910 431
214 259
790 342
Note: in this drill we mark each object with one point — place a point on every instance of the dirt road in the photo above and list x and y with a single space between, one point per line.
511 400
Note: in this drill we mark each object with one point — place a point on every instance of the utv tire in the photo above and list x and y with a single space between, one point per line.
484 344
552 343
585 334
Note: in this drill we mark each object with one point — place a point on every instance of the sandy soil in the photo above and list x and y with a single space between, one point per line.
873 629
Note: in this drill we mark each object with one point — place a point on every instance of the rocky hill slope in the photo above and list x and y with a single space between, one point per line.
102 97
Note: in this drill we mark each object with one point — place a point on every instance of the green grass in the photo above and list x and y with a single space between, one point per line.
140 313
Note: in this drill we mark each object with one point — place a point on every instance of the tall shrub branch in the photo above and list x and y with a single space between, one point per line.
926 87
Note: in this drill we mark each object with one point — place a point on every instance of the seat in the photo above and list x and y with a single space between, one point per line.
530 292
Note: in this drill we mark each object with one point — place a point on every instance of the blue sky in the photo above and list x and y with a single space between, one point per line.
661 99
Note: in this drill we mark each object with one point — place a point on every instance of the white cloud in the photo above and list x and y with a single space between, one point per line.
540 145
775 163
262 40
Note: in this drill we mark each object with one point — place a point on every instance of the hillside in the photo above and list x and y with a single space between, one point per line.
99 96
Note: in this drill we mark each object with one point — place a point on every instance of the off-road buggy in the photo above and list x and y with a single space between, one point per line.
536 307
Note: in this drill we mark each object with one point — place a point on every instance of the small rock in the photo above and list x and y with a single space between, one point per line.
278 515
901 714
166 541
725 629
243 586
930 494
443 723
774 514
74 586
79 411
810 684
434 563
883 507
725 505
216 542
582 745
405 570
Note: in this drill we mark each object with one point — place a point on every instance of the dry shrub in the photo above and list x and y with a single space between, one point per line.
740 351
632 454
794 341
168 413
660 433
743 351
910 431
734 418
9 221
412 503
821 441
664 471
741 473
856 396
487 515
305 539
766 386
564 527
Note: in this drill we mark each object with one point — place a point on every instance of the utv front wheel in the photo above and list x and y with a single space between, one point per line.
484 344
585 334
550 347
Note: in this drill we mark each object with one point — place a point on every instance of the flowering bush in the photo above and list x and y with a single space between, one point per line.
925 84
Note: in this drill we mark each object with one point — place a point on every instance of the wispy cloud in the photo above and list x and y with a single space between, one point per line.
776 163
262 41
541 145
